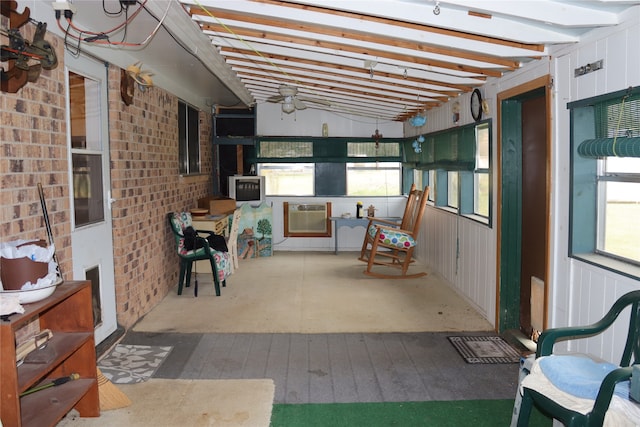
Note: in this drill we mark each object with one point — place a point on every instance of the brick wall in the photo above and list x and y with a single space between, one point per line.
146 186
144 179
33 149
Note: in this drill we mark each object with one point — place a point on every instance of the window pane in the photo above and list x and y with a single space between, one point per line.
371 149
87 188
622 165
620 232
417 178
481 194
373 179
288 179
182 137
482 146
188 139
193 138
285 149
85 120
452 189
84 95
432 185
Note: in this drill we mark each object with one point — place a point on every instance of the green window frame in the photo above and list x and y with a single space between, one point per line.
605 181
456 164
332 160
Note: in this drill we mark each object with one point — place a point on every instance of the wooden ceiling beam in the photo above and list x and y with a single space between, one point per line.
366 37
365 94
398 82
251 54
345 48
294 78
408 25
196 10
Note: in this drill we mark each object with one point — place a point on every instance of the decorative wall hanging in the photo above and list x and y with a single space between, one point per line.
377 135
142 78
127 87
417 144
455 110
418 120
131 77
20 54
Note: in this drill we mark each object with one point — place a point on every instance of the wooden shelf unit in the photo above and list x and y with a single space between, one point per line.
68 314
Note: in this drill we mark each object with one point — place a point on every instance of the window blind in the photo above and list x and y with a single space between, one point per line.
617 128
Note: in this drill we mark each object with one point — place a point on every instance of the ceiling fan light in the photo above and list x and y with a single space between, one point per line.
288 107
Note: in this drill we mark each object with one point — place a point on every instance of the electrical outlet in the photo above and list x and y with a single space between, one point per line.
63 6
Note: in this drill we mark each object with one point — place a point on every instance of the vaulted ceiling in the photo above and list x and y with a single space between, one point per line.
386 59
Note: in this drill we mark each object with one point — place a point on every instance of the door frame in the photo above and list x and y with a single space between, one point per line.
509 219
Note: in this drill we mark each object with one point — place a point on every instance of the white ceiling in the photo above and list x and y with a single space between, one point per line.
387 59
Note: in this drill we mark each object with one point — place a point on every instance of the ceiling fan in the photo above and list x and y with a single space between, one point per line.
290 100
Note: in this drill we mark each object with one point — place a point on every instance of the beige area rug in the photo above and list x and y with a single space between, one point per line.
192 403
313 292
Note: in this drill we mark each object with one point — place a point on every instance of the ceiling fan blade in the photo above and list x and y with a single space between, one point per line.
314 100
275 98
299 104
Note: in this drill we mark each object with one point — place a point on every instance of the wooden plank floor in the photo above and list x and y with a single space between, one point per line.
325 368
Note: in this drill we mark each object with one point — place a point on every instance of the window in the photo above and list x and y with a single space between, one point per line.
458 162
481 176
432 185
619 208
288 179
188 139
605 202
329 167
373 179
452 190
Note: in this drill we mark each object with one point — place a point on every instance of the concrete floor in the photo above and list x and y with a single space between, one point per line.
323 332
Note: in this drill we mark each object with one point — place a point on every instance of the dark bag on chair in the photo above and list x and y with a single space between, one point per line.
217 242
193 241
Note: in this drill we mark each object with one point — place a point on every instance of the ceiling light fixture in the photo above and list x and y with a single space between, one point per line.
287 105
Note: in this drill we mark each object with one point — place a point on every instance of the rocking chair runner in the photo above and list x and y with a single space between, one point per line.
390 243
220 261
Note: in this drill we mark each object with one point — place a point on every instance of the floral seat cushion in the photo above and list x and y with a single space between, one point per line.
222 259
397 239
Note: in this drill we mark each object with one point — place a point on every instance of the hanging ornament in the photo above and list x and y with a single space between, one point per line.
418 120
377 136
417 144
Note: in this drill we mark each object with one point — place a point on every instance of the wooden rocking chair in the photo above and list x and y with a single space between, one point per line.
390 243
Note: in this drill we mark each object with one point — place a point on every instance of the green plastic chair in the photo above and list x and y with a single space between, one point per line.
220 261
630 356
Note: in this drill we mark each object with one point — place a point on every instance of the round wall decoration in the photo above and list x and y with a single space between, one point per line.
476 105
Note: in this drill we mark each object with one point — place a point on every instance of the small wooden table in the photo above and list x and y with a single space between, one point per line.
352 222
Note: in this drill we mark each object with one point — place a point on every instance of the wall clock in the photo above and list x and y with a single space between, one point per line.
476 105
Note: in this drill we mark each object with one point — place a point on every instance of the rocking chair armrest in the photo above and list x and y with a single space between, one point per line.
375 220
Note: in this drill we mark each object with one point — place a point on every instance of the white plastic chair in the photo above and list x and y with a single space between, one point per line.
232 244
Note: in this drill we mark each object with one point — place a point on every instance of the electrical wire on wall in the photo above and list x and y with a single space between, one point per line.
80 35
